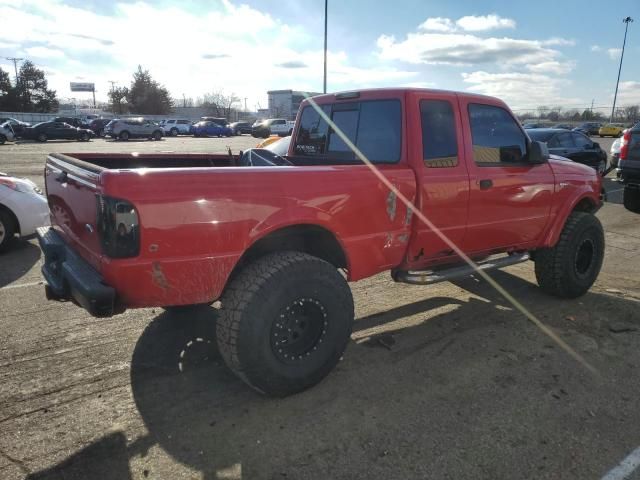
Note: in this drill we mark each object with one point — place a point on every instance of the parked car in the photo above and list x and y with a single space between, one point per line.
528 126
97 125
124 129
272 126
240 128
589 128
219 120
211 129
6 133
18 126
611 130
564 126
628 171
575 146
278 243
280 147
175 127
614 153
268 141
57 131
73 121
23 208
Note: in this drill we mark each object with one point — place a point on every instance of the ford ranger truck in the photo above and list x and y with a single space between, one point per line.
277 239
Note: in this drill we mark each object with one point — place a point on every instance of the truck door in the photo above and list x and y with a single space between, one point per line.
441 173
509 198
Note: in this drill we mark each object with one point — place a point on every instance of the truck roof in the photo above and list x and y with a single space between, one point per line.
397 91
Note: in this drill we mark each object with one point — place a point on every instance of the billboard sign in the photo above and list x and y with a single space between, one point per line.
82 87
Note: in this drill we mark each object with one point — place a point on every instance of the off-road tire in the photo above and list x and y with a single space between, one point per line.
571 267
260 304
631 199
8 227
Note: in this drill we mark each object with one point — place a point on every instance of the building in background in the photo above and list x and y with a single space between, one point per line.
285 103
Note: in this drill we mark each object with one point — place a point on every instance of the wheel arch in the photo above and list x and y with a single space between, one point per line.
587 202
12 215
309 238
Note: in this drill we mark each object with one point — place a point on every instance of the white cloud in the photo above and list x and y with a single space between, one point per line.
233 47
559 42
629 93
520 90
469 23
614 53
438 24
596 48
463 49
44 52
472 23
555 67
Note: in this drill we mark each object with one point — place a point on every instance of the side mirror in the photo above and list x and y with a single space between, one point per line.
596 145
538 153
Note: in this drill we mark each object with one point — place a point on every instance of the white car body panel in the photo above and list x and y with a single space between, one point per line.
30 208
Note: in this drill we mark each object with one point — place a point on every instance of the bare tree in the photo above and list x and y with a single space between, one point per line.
631 113
219 103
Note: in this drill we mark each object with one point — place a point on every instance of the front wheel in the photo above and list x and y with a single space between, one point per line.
124 136
285 322
84 137
631 199
42 137
570 268
7 230
2 139
157 135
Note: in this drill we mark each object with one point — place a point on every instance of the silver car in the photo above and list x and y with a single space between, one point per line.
6 133
124 129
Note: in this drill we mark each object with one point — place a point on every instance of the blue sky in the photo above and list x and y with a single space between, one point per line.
529 53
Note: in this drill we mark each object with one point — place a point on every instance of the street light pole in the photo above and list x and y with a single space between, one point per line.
326 6
626 21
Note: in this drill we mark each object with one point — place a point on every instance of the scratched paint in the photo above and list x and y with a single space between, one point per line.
407 217
392 204
157 275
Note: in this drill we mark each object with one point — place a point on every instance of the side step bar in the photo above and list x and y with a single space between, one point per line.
427 277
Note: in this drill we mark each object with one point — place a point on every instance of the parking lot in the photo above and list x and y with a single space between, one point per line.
446 381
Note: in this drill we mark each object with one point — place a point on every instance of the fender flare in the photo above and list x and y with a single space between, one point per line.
584 201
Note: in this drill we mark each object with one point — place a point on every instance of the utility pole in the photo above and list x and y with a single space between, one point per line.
184 101
245 104
626 21
112 82
324 84
15 65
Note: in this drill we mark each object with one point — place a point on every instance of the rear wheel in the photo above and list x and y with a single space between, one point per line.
7 230
42 137
631 199
174 132
124 136
157 135
570 268
285 322
84 137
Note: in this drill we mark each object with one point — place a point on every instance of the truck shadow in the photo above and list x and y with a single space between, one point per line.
199 413
17 261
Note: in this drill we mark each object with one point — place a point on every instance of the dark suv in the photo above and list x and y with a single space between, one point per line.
629 168
98 124
239 128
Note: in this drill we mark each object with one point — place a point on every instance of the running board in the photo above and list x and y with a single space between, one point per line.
427 277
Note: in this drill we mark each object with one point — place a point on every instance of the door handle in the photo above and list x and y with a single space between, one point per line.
485 184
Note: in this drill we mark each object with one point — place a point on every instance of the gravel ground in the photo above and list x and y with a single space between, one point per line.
444 382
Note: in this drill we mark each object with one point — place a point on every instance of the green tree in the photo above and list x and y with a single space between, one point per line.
117 99
35 96
6 91
147 96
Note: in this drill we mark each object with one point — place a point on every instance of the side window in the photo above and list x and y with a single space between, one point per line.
183 122
380 131
439 142
565 140
497 139
581 141
312 133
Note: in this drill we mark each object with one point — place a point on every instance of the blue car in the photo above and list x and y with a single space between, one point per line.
211 129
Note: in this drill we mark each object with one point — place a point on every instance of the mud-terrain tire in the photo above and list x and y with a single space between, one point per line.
631 199
285 322
571 267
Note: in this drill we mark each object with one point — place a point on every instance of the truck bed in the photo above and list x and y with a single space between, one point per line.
98 162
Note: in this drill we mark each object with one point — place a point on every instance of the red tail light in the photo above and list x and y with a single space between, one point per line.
624 145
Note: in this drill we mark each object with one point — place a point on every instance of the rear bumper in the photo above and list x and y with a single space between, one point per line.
69 277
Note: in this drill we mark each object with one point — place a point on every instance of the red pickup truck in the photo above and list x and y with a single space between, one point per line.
276 239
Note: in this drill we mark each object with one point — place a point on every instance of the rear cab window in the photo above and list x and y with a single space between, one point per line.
374 126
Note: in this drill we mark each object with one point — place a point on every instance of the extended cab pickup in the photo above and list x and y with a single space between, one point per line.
276 239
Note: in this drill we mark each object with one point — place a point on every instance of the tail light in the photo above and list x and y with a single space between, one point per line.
624 145
118 227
